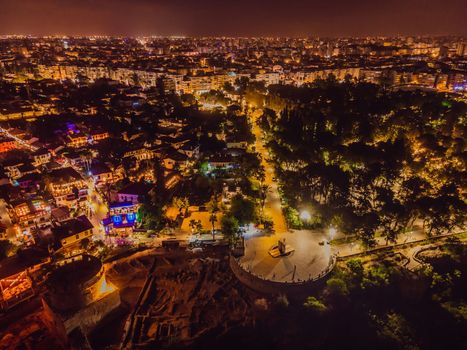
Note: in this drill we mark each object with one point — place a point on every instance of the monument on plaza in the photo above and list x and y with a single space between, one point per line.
281 246
281 249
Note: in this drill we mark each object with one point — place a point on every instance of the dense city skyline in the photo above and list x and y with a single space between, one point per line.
240 18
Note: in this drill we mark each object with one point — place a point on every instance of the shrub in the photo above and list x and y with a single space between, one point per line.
315 304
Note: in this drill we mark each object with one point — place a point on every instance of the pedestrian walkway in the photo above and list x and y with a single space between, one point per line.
355 248
272 207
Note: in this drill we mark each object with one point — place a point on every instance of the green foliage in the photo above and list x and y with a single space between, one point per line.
214 97
395 328
213 220
188 100
356 267
251 165
204 168
196 226
373 159
254 94
315 305
376 277
457 309
151 216
243 209
267 222
442 284
6 248
181 203
293 218
230 227
337 286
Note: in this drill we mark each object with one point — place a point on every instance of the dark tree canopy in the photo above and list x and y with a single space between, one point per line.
370 159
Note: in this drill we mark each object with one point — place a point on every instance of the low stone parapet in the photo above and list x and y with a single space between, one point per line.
274 287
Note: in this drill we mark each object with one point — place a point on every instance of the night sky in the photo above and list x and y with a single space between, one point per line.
234 17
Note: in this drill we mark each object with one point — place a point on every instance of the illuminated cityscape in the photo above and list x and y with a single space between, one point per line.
237 186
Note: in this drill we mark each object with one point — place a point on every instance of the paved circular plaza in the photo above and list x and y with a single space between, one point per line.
308 260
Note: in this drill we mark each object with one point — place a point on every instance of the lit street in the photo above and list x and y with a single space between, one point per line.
232 175
309 259
272 208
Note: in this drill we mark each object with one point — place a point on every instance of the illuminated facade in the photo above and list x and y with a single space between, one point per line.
6 144
77 140
15 289
63 182
30 214
16 283
121 219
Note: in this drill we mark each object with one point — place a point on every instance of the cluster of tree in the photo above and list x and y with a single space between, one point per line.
151 213
151 216
253 92
242 211
6 249
369 159
215 98
230 228
438 285
355 283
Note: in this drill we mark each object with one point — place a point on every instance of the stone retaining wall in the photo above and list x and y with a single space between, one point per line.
274 287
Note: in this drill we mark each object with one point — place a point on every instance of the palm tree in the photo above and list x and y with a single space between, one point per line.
196 226
184 205
181 203
213 220
192 225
